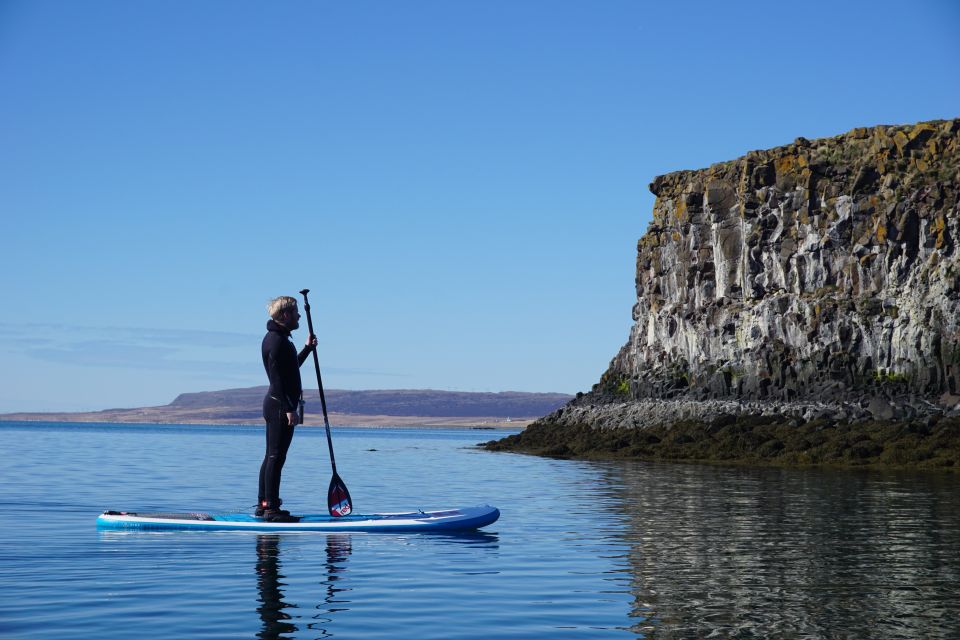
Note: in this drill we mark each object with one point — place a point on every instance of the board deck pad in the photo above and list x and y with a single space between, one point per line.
164 515
459 519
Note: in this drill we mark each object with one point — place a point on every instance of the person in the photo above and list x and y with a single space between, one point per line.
282 404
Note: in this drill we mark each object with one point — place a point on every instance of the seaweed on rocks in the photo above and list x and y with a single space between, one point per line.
751 439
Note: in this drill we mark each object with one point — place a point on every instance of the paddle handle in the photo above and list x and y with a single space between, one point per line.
316 365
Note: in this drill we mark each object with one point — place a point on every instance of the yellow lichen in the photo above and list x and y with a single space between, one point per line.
881 232
940 229
901 140
785 164
918 129
681 210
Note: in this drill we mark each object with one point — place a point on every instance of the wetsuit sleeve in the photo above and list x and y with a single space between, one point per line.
302 356
277 364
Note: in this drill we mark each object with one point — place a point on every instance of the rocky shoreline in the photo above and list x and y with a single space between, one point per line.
646 412
905 433
763 440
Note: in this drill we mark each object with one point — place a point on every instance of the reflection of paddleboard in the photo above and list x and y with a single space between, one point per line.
463 519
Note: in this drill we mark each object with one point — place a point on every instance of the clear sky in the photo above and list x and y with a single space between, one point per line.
461 184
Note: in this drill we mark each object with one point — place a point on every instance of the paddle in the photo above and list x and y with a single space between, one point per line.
338 498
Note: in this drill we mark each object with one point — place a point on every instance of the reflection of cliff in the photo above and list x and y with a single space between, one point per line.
768 553
277 620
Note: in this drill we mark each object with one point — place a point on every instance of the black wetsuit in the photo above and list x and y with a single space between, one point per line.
282 364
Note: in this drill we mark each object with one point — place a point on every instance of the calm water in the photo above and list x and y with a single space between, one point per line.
582 550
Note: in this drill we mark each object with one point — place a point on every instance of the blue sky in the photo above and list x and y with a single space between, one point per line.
461 184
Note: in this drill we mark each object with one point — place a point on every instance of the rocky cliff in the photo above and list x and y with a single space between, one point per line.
821 276
799 305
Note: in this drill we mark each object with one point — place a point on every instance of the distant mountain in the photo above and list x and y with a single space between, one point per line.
375 407
403 402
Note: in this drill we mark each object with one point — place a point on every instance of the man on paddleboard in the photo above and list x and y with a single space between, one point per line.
282 406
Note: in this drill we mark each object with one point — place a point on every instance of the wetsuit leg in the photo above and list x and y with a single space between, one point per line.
279 435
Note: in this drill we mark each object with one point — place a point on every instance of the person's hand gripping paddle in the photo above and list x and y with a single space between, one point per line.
338 498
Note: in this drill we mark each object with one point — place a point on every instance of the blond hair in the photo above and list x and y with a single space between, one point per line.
277 306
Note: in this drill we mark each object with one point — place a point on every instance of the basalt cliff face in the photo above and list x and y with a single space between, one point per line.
818 278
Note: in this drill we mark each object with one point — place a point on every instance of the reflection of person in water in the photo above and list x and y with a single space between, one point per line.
276 621
272 606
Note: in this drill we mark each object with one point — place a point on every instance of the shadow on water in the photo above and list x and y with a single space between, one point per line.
726 552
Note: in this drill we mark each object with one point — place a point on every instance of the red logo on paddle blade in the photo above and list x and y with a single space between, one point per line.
341 509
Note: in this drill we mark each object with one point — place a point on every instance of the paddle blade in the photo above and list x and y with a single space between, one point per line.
338 498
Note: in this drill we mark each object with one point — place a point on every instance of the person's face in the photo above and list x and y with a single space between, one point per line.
291 318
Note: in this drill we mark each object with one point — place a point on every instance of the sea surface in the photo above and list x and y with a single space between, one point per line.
582 549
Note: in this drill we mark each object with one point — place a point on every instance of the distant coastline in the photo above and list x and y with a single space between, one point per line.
336 420
370 408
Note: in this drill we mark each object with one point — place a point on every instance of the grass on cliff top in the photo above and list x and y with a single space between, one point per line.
757 440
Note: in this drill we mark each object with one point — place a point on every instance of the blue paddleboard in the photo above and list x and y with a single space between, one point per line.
462 519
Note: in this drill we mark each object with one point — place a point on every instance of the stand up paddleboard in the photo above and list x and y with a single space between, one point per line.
464 519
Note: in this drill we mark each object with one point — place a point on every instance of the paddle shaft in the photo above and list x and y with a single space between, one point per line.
316 365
